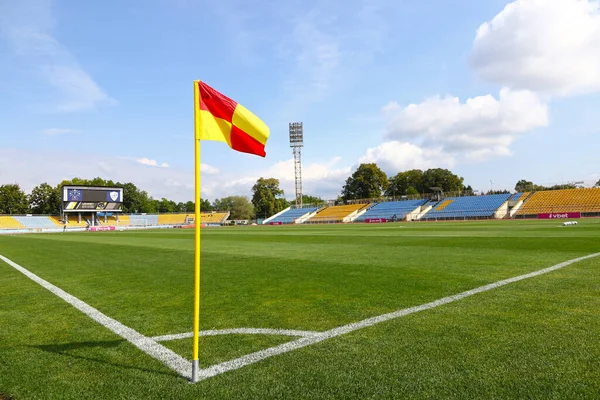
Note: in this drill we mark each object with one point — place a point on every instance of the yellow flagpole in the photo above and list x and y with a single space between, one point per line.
197 240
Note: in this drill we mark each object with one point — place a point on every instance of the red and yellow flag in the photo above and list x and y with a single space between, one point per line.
222 119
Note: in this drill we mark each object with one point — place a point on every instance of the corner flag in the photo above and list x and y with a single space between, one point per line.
217 117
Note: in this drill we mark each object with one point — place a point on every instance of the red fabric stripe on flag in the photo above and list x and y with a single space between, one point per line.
245 143
216 103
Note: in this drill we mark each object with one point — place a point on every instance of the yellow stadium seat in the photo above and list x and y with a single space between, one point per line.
584 200
7 222
172 219
213 217
336 213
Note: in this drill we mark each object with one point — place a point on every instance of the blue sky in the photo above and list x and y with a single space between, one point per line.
496 91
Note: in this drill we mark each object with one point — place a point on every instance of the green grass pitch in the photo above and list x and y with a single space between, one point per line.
536 338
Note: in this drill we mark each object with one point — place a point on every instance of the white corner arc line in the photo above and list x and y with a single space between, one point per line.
252 358
144 343
238 331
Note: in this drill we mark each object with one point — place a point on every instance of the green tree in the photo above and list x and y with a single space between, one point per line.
439 177
597 183
315 201
524 186
264 194
205 205
152 207
167 206
400 183
411 191
239 207
281 204
368 181
134 199
45 199
190 207
13 200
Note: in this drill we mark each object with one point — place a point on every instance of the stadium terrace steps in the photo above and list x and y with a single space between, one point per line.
172 219
7 222
72 221
468 207
584 200
443 204
36 222
143 220
391 210
272 217
291 215
336 213
213 217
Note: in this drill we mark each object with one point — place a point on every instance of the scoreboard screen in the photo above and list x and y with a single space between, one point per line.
92 199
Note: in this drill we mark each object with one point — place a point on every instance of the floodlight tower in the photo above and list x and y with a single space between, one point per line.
296 143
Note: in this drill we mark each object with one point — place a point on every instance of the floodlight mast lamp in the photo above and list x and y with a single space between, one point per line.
296 143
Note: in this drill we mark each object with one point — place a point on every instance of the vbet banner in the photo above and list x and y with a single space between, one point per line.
566 215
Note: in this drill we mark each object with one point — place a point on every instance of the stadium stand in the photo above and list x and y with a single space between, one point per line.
36 222
172 219
467 207
73 221
336 213
7 222
213 217
143 220
445 203
516 196
124 220
390 210
291 215
584 200
110 220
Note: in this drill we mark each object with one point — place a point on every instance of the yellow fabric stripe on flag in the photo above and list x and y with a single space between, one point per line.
208 127
245 120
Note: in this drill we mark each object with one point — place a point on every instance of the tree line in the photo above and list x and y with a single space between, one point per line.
367 182
524 185
370 182
46 199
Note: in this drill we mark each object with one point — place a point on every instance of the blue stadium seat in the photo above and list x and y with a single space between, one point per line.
467 207
35 222
391 209
146 220
293 214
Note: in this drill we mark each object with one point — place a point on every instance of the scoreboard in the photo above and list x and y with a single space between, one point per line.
92 199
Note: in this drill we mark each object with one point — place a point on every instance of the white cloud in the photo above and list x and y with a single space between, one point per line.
152 163
319 179
28 26
16 166
208 169
58 131
393 157
480 127
547 46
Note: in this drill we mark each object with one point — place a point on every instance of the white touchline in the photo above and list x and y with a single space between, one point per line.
147 345
342 330
237 331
